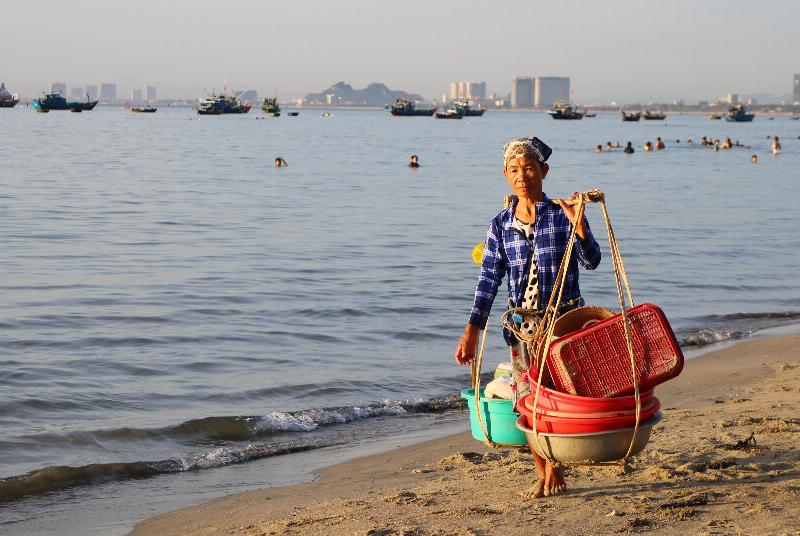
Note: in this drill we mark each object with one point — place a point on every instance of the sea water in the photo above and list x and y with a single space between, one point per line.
180 319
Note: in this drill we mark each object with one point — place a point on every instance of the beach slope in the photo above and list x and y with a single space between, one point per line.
724 461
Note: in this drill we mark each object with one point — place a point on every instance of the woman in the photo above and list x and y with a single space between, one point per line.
526 242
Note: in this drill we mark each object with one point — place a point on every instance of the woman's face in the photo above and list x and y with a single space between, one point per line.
525 176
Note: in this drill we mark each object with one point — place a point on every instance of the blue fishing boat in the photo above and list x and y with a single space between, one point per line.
407 108
464 107
738 114
54 101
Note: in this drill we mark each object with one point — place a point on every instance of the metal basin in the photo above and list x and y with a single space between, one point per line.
590 447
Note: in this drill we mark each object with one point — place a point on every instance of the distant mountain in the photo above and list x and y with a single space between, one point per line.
343 94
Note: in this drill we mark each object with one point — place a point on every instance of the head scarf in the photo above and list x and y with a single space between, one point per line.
533 147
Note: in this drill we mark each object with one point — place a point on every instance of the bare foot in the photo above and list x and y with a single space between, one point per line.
534 492
553 481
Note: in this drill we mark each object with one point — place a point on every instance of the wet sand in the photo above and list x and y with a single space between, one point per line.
723 461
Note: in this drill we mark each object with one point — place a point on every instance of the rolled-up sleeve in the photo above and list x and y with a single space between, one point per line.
588 249
493 267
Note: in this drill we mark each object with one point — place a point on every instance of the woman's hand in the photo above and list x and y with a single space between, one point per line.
468 345
570 208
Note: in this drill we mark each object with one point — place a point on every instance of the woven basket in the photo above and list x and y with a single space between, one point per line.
579 318
594 361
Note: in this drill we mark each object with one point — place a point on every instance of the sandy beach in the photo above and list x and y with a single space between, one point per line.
723 461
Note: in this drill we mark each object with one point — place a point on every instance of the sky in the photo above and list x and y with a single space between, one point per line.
617 50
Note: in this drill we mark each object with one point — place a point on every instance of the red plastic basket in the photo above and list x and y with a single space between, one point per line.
555 424
594 362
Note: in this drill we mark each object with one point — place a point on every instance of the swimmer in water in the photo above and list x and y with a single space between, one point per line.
776 145
280 162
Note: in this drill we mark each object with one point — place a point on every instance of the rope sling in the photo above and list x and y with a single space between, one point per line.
540 341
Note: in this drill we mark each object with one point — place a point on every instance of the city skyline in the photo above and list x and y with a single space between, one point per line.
691 51
540 92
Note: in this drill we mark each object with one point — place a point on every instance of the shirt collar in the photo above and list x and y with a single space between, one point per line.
507 216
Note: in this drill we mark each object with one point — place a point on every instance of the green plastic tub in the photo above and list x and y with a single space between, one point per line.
499 419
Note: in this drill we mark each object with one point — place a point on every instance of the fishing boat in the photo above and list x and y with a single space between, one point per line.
54 101
565 111
222 104
654 116
738 114
714 116
407 108
630 116
450 113
466 110
270 106
7 99
144 110
292 114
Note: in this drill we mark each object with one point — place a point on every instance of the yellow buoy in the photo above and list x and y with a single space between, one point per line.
477 253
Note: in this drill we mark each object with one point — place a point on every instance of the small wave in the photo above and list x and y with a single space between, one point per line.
309 420
60 477
249 428
705 337
712 329
211 429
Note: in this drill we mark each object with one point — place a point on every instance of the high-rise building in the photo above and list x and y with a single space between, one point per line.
91 92
476 91
150 93
453 90
58 87
467 90
732 98
796 97
108 92
76 93
522 92
550 89
136 95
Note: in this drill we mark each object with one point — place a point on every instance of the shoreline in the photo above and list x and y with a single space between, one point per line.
446 484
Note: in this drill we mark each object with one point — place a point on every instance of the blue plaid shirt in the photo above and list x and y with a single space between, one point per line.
507 252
